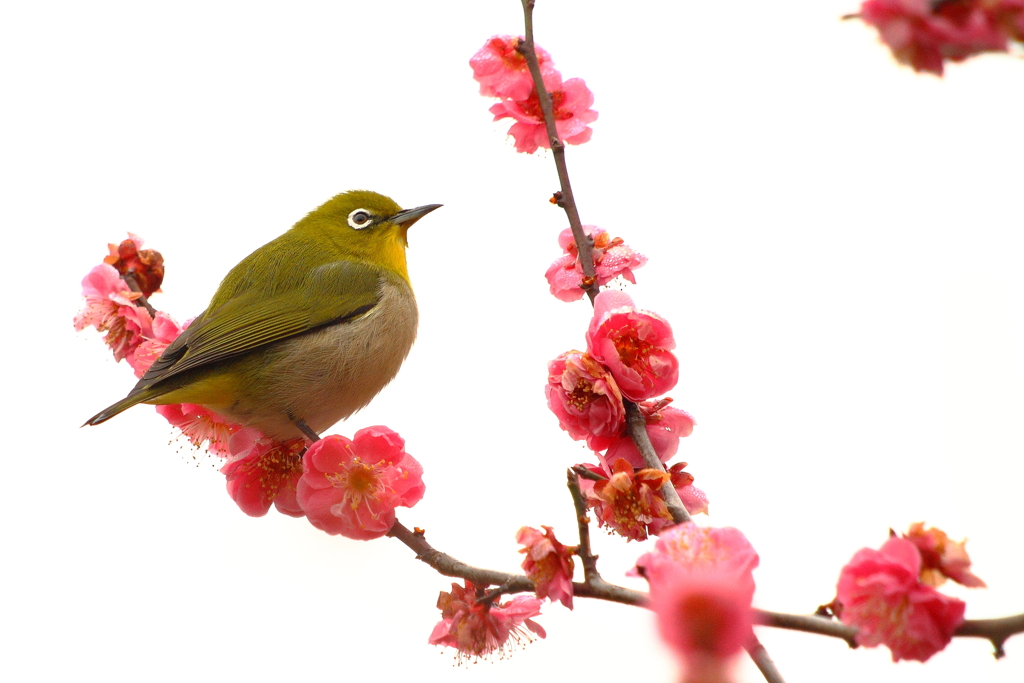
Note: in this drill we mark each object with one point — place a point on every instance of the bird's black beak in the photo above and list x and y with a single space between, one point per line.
407 217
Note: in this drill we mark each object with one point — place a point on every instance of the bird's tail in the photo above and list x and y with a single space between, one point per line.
121 406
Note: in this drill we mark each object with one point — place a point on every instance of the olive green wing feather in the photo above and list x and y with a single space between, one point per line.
331 294
250 318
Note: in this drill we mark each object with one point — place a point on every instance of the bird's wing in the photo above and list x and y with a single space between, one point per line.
332 293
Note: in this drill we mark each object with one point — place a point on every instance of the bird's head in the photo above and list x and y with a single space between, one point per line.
366 226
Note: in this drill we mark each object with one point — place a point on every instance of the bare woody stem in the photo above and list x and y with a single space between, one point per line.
584 248
636 424
995 630
142 301
764 663
584 244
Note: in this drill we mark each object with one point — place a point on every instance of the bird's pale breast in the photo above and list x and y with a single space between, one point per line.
325 375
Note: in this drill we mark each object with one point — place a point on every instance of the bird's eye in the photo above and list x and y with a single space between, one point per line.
360 218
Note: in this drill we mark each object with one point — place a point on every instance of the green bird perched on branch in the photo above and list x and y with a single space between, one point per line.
303 332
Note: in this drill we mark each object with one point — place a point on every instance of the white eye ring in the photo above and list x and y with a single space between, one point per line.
360 218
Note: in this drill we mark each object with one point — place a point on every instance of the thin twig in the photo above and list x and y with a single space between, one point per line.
807 623
584 245
637 427
995 630
992 629
764 663
511 583
583 551
142 301
584 472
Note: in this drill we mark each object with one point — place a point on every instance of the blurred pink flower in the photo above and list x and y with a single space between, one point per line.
585 399
477 629
352 487
702 585
941 558
612 257
503 72
264 472
923 34
722 551
879 593
164 331
110 308
665 426
570 101
635 345
200 425
548 564
705 617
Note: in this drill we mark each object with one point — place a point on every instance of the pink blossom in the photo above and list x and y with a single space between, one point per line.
263 471
922 33
702 585
502 71
570 101
879 593
942 558
705 617
164 331
630 502
665 426
694 500
479 628
200 425
635 345
548 564
352 487
612 257
146 266
585 399
722 551
110 308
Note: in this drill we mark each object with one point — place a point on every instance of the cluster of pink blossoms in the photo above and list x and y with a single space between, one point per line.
629 356
477 628
343 486
502 72
888 594
925 33
612 258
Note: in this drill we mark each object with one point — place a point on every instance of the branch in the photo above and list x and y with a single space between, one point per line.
637 427
807 623
587 558
995 630
764 663
511 583
583 243
142 301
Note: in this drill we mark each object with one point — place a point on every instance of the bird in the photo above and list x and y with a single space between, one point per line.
304 331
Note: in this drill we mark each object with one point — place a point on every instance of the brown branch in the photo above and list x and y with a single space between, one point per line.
637 428
764 663
995 630
584 245
511 583
807 623
142 301
587 558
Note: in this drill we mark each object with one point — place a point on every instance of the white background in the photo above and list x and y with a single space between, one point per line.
835 240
